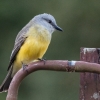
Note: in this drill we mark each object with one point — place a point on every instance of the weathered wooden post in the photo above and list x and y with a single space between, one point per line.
89 82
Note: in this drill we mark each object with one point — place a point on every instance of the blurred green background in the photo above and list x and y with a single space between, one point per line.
80 20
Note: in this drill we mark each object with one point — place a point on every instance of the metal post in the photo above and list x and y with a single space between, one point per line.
89 82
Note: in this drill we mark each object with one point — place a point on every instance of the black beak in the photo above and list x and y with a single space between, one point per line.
58 28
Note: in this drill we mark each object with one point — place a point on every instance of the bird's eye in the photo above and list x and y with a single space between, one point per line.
49 21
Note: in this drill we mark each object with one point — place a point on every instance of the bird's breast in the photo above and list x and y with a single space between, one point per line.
34 46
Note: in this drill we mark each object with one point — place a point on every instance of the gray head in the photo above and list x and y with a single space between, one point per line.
47 21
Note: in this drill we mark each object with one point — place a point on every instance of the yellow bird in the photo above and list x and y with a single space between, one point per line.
31 44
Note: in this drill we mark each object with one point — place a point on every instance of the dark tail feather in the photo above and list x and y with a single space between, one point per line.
5 85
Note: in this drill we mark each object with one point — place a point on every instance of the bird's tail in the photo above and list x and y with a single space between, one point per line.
5 84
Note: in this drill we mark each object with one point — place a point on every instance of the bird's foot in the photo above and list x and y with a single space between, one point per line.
24 66
42 60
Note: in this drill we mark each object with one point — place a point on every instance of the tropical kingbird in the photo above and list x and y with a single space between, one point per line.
31 44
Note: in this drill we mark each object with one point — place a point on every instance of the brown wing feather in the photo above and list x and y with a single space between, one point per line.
15 51
21 37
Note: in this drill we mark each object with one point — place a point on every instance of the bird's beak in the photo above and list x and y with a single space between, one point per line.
58 28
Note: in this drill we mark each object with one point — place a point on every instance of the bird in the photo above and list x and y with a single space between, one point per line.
31 43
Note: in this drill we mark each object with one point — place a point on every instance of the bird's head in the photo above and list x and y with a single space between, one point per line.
47 21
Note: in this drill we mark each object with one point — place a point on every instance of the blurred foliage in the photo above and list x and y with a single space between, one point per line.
80 22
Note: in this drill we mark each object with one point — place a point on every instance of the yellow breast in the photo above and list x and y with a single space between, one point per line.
33 48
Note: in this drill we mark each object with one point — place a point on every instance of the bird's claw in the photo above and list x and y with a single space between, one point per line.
42 60
24 66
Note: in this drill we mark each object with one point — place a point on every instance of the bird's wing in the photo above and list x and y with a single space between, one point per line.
21 37
15 51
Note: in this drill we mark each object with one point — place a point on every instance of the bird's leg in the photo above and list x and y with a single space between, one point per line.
42 60
24 66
